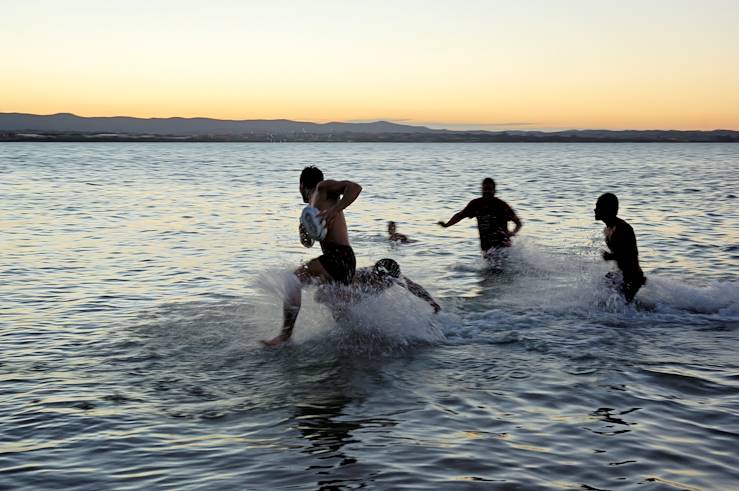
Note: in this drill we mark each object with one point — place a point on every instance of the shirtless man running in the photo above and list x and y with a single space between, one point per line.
621 242
337 264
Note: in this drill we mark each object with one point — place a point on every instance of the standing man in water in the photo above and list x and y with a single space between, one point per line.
337 263
492 215
621 243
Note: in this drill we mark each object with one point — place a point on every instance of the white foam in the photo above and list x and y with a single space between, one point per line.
715 298
554 282
271 288
393 319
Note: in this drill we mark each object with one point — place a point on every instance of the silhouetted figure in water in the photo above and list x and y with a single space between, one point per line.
394 235
493 215
621 241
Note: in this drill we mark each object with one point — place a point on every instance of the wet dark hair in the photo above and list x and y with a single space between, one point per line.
608 202
488 180
311 176
385 267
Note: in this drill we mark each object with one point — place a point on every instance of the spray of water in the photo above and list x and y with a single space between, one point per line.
348 320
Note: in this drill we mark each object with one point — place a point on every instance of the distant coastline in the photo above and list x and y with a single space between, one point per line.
64 127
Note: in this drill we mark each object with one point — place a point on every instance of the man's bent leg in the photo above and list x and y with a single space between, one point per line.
293 298
631 287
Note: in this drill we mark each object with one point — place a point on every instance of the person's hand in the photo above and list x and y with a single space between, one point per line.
436 307
608 256
305 239
441 224
329 214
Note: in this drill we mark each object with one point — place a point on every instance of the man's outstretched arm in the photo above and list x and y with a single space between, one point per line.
420 292
455 219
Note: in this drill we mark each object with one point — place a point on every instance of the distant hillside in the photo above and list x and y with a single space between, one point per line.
68 123
68 127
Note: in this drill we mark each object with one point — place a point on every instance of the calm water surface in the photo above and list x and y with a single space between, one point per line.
135 280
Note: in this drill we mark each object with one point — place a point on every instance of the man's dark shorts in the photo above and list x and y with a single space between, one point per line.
628 286
339 262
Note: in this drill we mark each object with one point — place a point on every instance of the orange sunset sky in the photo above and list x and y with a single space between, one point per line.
534 64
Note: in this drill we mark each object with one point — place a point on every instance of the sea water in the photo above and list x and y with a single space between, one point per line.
137 278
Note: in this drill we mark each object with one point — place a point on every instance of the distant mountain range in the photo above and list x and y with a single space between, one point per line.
69 127
65 122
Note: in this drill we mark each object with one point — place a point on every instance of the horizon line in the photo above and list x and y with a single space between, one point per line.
401 121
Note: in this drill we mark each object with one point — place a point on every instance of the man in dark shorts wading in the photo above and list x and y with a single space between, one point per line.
621 242
337 263
493 215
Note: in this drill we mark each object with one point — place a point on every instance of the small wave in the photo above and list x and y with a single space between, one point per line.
391 321
685 383
719 297
553 283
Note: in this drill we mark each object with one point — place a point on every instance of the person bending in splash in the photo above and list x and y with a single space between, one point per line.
621 242
337 264
395 236
386 273
493 215
373 280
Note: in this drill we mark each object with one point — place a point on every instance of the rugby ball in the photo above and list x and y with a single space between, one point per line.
314 226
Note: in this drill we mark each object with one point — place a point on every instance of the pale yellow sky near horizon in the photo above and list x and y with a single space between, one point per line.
538 64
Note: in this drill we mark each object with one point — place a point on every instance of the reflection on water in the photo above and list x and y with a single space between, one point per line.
137 278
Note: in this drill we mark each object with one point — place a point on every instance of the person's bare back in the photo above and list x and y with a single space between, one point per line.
325 198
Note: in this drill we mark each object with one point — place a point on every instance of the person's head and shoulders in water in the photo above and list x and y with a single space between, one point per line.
337 264
374 280
493 215
621 243
396 237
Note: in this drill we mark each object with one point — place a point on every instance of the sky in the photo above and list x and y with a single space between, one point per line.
464 64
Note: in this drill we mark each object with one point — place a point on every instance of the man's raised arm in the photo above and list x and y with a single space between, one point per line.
455 219
348 190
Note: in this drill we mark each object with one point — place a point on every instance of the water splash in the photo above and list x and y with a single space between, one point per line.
391 320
